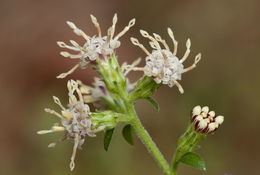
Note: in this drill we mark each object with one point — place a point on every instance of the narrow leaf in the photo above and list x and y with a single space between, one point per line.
154 103
128 134
193 160
107 138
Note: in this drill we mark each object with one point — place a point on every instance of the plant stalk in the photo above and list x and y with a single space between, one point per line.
147 140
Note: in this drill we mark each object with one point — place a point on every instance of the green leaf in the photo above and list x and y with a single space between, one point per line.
128 133
193 160
154 103
107 138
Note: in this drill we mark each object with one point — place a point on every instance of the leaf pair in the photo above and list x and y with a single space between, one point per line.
128 134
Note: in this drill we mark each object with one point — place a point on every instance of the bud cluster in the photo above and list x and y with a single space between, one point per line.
205 121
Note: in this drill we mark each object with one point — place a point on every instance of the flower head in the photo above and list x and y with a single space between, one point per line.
75 120
162 64
205 121
96 47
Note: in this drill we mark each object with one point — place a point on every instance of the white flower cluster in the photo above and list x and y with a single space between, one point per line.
204 120
75 120
96 47
164 70
163 64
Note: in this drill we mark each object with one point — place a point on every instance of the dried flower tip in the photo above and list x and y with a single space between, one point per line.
96 47
162 64
204 121
71 25
53 129
51 145
128 68
63 75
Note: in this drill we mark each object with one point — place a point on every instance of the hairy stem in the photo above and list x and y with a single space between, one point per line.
187 143
147 140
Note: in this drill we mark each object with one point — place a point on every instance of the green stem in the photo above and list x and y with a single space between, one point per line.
147 140
183 147
187 143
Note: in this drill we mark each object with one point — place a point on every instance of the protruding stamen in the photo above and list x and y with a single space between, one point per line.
131 67
114 21
178 86
136 42
52 145
63 75
74 43
158 38
76 143
44 131
153 45
95 22
130 24
188 44
57 101
53 129
80 96
146 35
109 35
77 31
72 99
67 54
52 112
58 128
64 45
175 43
197 59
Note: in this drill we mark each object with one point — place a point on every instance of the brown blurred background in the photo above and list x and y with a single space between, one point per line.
227 33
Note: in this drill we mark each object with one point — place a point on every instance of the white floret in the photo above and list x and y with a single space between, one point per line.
164 69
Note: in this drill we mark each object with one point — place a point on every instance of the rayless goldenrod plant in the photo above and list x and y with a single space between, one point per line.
114 96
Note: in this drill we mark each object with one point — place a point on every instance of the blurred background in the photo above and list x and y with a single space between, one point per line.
227 33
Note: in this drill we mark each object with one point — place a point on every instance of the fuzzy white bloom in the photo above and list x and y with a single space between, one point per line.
75 120
162 64
96 47
205 121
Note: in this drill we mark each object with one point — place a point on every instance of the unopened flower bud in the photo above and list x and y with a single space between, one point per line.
204 121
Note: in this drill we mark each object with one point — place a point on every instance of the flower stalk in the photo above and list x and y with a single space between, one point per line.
147 141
